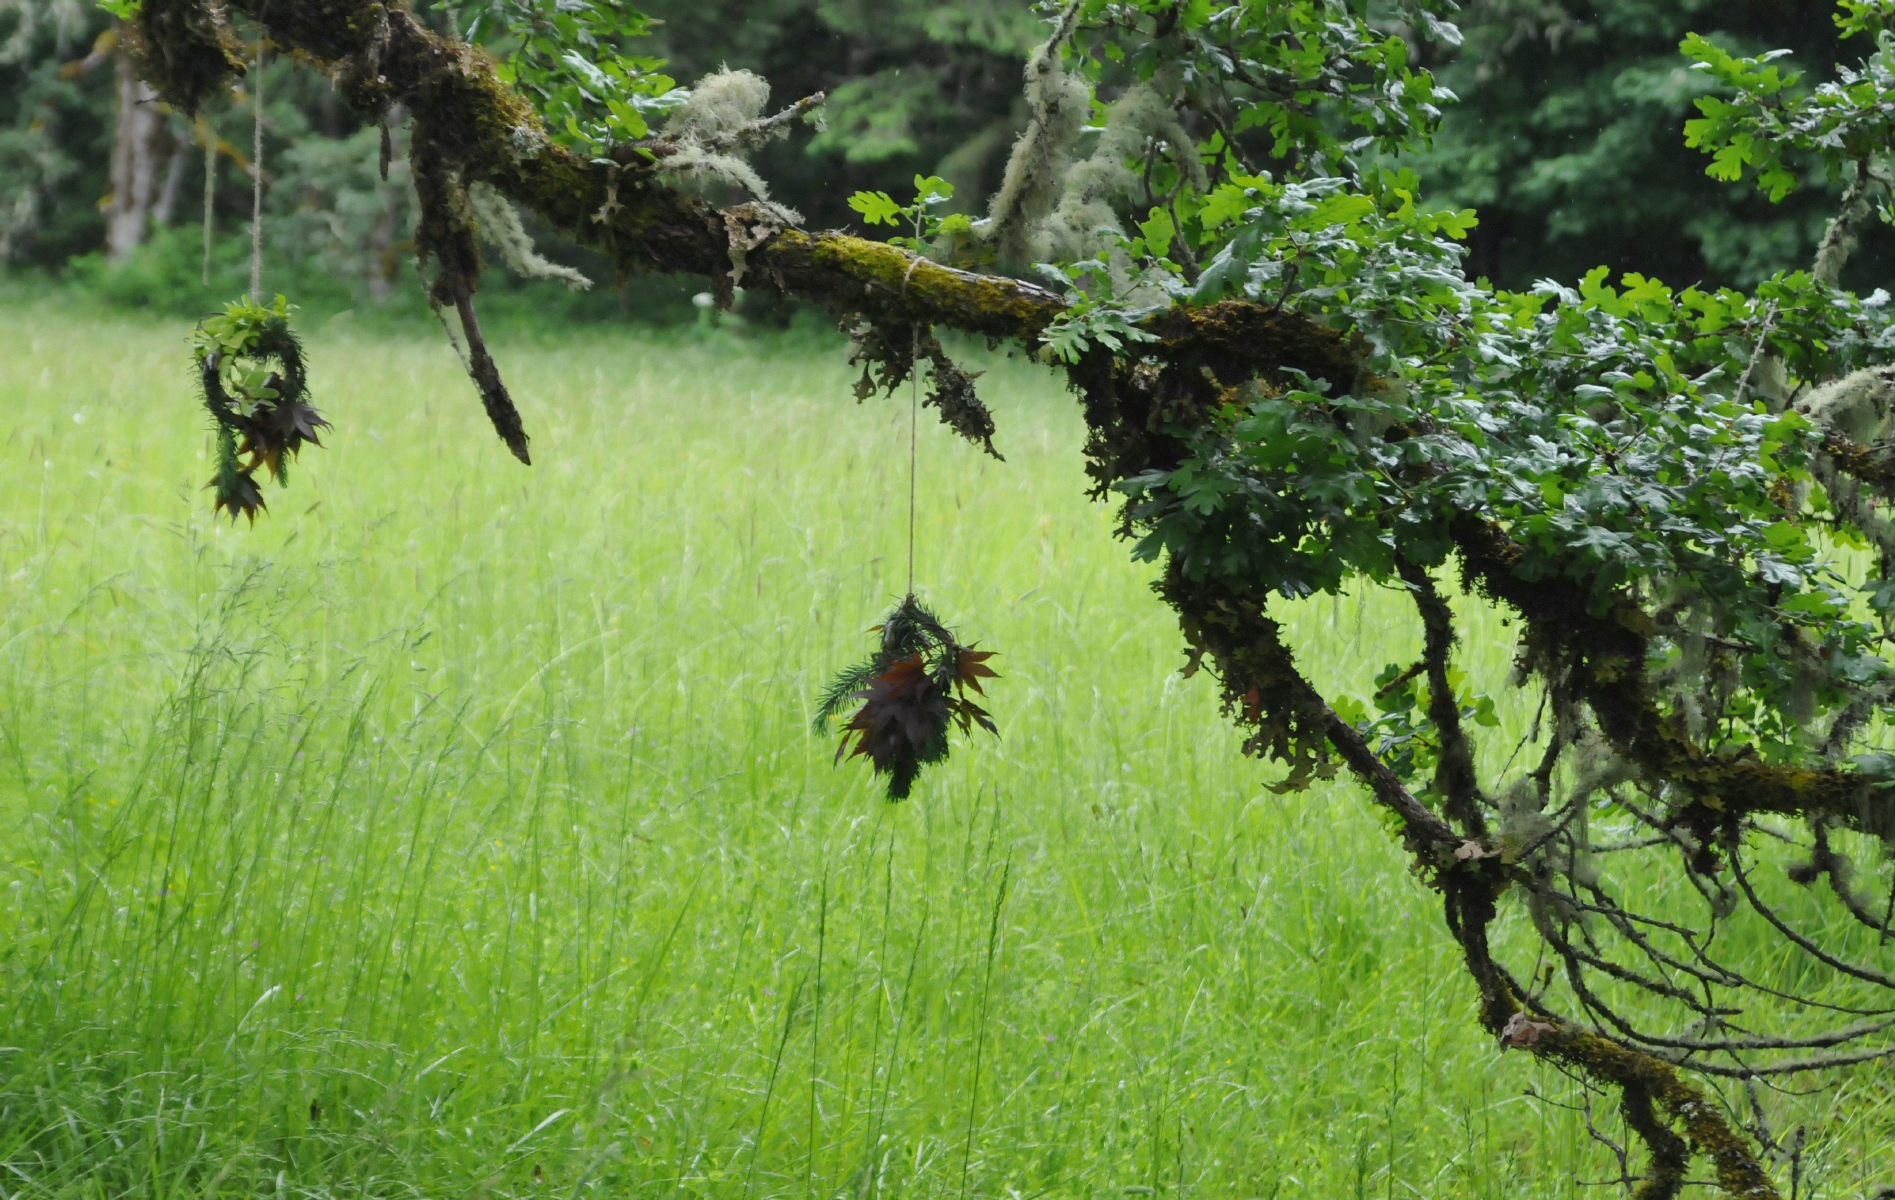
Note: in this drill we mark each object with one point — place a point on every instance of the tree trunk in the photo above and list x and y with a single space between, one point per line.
381 256
166 207
138 150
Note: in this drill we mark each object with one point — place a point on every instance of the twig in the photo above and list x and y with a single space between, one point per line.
1756 354
486 377
764 126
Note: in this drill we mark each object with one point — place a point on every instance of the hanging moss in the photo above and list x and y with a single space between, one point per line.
185 49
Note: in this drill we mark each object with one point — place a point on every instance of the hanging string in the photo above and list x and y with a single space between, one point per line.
256 190
914 419
209 137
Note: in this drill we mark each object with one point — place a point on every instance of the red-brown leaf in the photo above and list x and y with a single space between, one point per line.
970 667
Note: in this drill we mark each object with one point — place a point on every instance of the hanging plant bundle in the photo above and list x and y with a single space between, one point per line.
913 689
250 365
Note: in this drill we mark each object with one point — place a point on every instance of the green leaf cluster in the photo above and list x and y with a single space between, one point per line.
920 216
238 329
1767 119
1322 79
1609 430
568 56
1400 731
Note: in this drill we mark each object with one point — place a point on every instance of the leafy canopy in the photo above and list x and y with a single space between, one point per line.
567 55
1631 438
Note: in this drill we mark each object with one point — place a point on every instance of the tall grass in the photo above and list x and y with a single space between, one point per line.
455 831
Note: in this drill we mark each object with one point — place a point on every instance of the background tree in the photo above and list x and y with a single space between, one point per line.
913 88
1565 137
51 131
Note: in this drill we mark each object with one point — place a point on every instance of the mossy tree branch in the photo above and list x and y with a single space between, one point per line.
1142 407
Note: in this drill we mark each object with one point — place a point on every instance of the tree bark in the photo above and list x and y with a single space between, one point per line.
166 207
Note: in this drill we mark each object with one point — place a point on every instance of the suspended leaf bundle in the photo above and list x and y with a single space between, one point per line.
913 691
250 366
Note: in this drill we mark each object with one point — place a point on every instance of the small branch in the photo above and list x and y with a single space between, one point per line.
1756 353
1454 773
1670 1157
1841 873
1413 670
1866 974
1626 1178
486 376
756 131
1839 240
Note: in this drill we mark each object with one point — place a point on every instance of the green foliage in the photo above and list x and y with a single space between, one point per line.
1607 429
1565 136
1093 321
1768 117
921 217
239 329
1284 69
250 366
567 55
1864 16
1274 239
1228 510
1401 733
1616 434
1316 84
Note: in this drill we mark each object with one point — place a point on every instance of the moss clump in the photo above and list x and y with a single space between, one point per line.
185 49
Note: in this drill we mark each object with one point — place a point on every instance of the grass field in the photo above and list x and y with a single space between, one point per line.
457 831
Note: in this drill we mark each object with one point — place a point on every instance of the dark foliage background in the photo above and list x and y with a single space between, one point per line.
1567 140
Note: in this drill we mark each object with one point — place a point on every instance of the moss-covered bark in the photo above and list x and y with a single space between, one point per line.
1609 653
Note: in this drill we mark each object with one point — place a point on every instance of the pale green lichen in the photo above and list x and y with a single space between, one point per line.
1086 222
1057 106
499 226
707 132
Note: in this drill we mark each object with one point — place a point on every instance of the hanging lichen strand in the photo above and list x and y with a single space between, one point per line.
1680 498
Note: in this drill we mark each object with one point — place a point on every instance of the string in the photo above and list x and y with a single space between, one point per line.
210 191
256 190
914 420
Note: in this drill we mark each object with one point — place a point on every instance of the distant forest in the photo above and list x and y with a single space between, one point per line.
1567 138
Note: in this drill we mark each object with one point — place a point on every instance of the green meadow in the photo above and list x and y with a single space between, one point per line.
457 830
